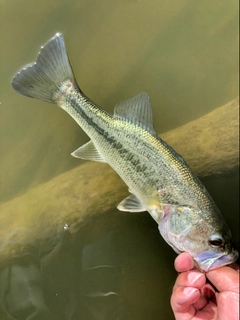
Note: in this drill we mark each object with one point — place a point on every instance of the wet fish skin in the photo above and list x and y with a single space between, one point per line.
159 180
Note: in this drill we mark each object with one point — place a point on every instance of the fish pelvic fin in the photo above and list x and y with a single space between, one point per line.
43 78
131 204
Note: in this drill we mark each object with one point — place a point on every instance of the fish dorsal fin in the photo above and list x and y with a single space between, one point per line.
88 151
131 204
137 110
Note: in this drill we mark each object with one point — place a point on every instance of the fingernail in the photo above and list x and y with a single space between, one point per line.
188 291
194 276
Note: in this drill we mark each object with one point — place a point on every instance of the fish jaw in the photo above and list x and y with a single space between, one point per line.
208 260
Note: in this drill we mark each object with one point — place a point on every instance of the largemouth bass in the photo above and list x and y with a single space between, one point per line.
158 178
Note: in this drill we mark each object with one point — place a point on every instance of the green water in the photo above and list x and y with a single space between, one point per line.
184 54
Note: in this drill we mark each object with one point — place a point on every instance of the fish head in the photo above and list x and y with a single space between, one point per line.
204 235
216 249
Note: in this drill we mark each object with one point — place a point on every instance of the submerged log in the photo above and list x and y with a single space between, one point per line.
67 202
209 144
37 224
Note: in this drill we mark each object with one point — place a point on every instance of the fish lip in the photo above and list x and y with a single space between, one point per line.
219 261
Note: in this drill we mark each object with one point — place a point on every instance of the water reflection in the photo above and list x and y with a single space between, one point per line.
21 292
63 254
107 275
114 266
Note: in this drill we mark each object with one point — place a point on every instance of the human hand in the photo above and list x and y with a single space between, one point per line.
210 296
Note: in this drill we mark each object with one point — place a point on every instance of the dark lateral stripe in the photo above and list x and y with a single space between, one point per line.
128 156
75 105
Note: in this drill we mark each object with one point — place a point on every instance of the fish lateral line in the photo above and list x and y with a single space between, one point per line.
187 216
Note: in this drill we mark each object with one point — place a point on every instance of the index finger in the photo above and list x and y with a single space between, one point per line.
225 278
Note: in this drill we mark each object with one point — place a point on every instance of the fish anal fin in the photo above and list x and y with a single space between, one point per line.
88 151
131 204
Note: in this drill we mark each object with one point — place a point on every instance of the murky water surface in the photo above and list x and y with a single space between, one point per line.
66 252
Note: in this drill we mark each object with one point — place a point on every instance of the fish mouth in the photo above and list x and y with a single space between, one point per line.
206 261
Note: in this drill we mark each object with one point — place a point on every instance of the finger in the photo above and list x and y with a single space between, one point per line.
208 292
192 278
224 278
210 311
234 266
201 303
184 262
182 301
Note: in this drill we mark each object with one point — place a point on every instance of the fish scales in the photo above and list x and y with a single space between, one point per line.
158 178
150 150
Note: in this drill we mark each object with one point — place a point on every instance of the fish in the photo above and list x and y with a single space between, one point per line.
158 178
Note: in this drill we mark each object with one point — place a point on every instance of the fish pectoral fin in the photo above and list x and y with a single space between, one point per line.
88 152
137 110
131 204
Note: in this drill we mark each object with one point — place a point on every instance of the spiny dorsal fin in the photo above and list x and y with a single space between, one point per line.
131 204
88 151
137 110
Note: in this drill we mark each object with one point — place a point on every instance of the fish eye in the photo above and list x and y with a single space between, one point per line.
216 241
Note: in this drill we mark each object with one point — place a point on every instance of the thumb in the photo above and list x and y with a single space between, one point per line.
225 278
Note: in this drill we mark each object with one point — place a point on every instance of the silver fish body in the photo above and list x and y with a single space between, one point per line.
159 180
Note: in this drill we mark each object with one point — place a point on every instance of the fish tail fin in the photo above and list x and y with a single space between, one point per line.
43 78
